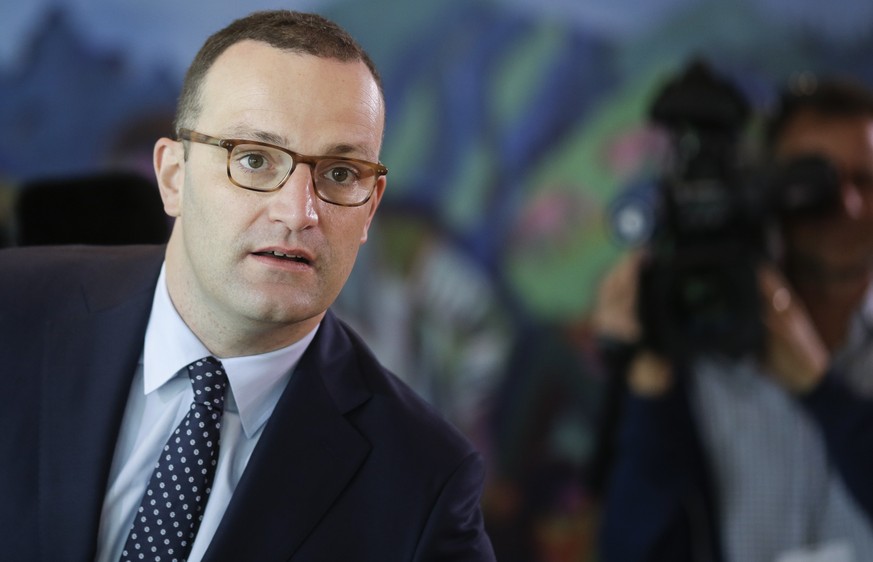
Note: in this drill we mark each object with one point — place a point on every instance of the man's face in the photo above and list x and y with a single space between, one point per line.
842 242
224 278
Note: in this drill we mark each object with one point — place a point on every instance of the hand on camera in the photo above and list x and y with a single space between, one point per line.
615 318
615 309
794 353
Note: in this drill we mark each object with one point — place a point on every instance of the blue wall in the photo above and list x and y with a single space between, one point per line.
511 126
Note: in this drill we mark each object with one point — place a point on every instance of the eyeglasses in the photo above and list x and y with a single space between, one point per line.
260 166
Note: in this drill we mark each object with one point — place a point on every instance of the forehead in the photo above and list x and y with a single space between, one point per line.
844 139
308 100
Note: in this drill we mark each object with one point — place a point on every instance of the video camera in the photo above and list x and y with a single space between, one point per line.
715 219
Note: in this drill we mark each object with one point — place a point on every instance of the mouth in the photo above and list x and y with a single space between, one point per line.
282 256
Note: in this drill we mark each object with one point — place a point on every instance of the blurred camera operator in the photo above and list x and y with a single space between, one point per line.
768 458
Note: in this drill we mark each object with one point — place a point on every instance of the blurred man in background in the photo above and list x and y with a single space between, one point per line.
760 458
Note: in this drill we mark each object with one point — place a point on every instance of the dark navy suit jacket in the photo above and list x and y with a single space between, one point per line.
352 465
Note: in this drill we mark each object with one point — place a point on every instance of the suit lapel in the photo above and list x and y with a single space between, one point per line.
90 356
304 459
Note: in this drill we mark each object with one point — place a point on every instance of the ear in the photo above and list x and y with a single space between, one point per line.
374 201
169 161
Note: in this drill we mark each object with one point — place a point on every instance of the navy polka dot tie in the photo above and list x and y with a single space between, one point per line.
172 507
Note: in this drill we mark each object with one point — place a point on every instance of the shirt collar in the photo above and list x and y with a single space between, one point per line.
860 333
865 316
256 381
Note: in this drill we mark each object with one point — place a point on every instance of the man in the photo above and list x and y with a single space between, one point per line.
762 459
321 454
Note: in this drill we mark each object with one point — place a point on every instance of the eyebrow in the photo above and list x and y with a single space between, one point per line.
339 149
246 133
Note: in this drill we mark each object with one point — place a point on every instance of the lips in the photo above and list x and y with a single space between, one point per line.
286 255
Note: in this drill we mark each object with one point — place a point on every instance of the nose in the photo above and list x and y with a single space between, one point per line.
294 204
852 200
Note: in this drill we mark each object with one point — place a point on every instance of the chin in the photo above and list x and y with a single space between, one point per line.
288 311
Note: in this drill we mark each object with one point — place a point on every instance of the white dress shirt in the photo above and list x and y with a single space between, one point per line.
776 484
161 395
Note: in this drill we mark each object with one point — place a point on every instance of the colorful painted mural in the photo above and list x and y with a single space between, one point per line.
512 126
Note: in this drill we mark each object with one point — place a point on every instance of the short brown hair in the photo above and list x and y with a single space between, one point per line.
832 97
283 29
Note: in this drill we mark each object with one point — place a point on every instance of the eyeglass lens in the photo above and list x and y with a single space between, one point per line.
263 168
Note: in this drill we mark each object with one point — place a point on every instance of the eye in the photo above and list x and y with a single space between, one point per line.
253 161
341 173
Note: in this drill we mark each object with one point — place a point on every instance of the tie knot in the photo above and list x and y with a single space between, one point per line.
209 381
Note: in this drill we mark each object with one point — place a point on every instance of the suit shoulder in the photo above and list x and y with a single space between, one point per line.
30 275
403 415
45 258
